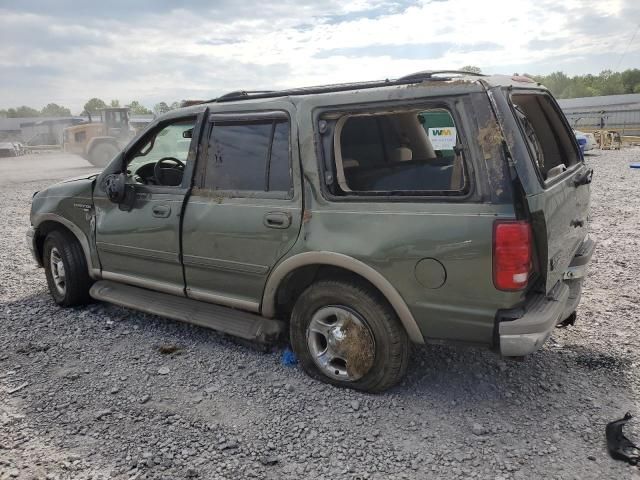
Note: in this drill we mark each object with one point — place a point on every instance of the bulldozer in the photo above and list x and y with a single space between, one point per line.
99 142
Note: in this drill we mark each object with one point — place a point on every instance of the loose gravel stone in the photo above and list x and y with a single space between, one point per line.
222 410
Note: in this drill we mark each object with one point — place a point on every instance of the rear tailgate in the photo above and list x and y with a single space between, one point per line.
554 179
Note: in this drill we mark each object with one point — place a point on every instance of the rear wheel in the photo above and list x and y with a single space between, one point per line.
101 154
66 269
347 335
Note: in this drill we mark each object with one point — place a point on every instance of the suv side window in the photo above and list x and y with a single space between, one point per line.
171 145
411 152
249 156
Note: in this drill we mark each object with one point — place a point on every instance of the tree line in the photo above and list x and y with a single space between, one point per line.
561 85
92 106
606 82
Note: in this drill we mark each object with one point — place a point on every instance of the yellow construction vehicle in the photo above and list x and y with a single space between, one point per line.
99 142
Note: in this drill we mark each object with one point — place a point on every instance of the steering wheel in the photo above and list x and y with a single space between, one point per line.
169 175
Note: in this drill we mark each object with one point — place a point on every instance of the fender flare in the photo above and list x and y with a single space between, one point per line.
349 263
40 218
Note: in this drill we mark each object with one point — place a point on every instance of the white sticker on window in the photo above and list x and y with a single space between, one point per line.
442 138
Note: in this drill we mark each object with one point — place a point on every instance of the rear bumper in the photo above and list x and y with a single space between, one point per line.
523 330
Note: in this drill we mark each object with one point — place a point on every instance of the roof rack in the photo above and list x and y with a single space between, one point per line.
427 75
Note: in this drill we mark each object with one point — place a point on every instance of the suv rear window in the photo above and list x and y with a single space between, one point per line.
550 141
413 152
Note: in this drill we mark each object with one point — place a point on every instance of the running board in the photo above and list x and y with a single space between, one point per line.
226 320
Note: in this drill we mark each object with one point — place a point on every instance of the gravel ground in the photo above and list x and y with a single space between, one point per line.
99 392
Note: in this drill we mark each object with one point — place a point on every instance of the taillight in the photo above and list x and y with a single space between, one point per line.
511 254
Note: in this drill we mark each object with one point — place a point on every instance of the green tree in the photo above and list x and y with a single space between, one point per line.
609 83
138 109
94 105
471 68
631 80
175 105
55 110
161 108
22 111
114 103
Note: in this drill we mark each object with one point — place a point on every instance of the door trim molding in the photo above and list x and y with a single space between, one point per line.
169 257
144 283
197 261
208 297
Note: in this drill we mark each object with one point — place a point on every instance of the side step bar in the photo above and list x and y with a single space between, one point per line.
226 320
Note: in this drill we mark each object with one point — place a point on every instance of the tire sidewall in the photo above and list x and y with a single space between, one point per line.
372 312
52 241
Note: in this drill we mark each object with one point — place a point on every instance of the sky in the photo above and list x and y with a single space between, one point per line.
66 52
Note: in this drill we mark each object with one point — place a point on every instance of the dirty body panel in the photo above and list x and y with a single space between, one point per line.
234 234
411 241
428 251
558 206
70 204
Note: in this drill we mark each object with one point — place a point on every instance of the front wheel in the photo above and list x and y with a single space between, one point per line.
102 154
66 269
347 335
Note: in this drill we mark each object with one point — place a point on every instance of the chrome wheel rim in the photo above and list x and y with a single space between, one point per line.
341 343
57 271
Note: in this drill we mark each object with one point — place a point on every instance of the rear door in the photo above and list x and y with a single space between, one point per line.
555 180
245 210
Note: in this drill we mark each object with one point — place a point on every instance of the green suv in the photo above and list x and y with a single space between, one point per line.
354 218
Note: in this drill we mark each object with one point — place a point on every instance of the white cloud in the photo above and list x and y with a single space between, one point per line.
50 55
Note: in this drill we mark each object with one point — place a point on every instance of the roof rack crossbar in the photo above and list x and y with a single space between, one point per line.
428 74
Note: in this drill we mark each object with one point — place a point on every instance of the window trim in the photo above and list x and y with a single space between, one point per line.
570 171
243 118
447 103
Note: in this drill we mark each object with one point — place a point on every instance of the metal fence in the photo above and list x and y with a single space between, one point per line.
624 120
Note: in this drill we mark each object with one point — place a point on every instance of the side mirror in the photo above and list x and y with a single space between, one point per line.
115 186
119 191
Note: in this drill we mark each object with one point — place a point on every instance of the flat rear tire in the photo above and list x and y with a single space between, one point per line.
347 334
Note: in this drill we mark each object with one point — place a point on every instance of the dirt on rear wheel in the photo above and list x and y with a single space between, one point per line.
101 154
346 334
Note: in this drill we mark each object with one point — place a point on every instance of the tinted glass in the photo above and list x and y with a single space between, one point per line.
238 157
280 169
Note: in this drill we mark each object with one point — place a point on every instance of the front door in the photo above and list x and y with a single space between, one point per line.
244 212
141 246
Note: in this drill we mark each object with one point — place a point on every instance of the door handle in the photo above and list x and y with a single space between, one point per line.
161 211
576 223
277 220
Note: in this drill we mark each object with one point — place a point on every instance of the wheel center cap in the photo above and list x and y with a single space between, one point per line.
336 336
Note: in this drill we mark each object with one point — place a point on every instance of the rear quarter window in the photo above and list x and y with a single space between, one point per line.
412 152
